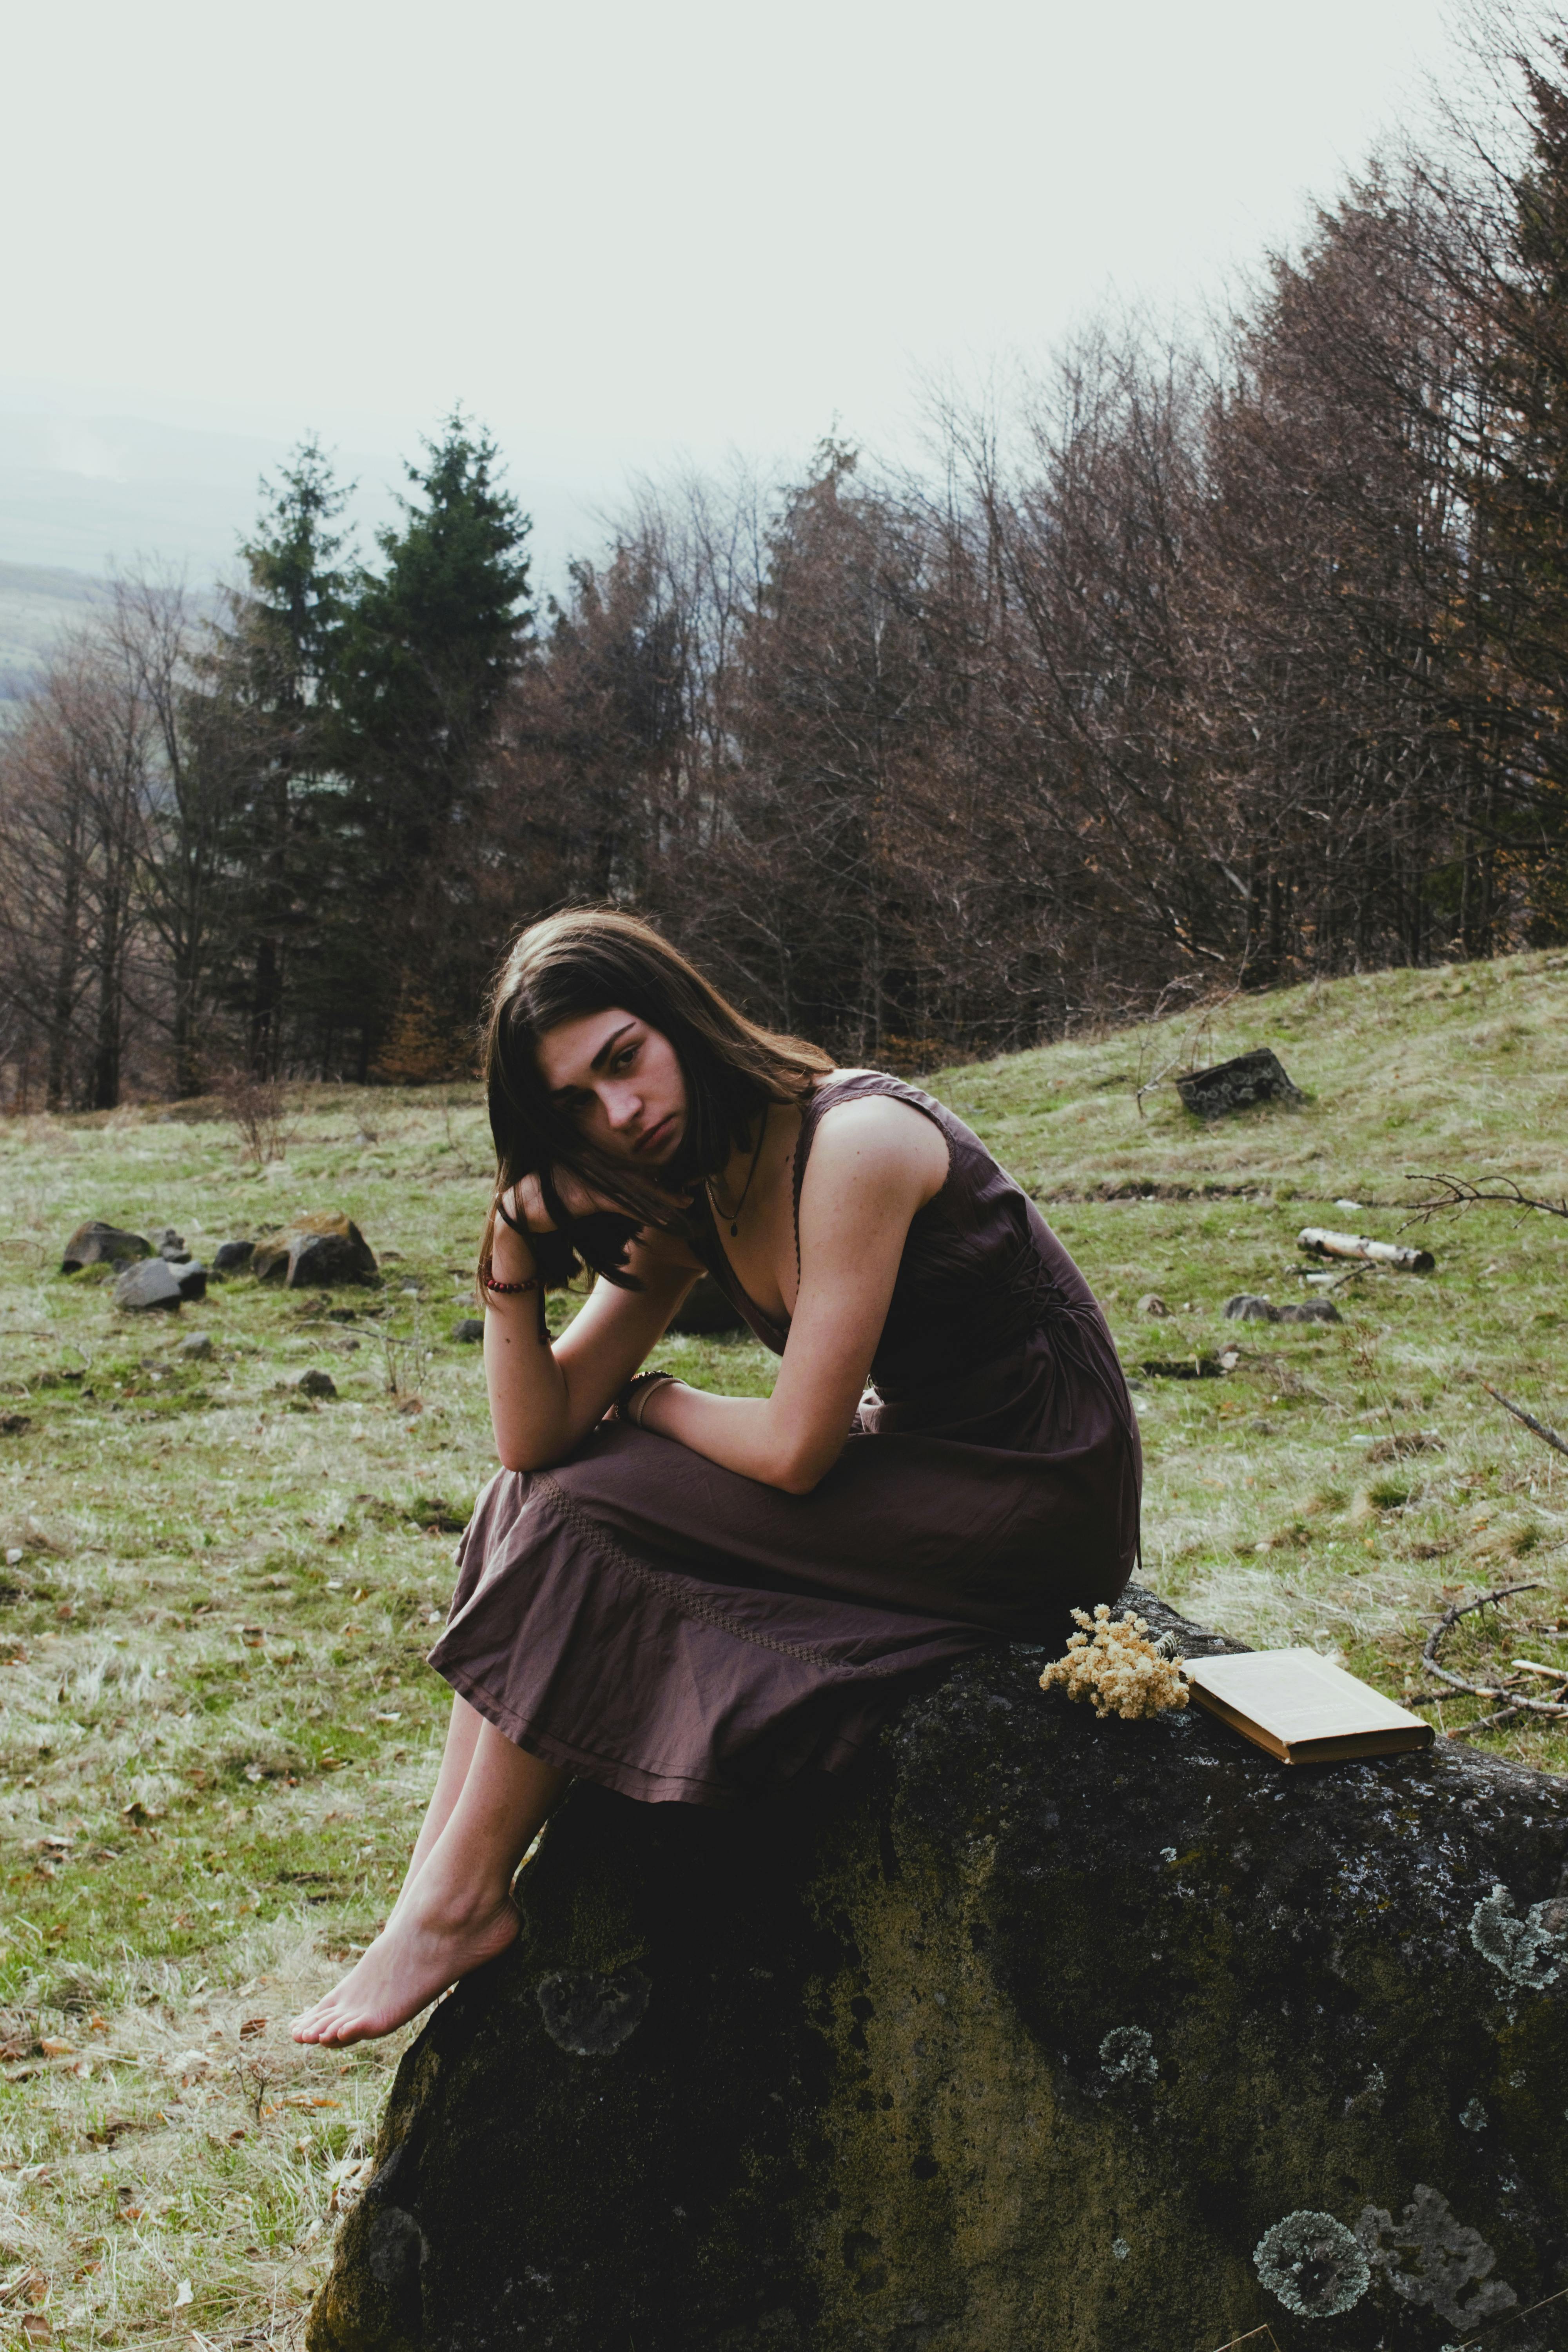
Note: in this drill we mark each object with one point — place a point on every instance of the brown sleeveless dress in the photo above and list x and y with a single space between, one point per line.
643 1618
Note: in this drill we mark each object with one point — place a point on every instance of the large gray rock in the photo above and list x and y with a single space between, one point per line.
99 1244
151 1285
315 1253
1109 2037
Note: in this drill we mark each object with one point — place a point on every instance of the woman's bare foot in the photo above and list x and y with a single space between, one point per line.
420 1951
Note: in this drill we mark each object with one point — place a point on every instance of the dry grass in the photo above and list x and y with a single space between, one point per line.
219 1729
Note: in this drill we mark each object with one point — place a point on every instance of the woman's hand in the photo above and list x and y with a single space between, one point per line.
523 1204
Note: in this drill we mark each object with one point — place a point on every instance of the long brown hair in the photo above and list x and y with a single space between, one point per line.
593 959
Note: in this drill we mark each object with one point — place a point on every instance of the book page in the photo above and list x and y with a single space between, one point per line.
1297 1695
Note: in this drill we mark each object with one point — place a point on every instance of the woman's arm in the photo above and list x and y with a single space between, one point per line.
873 1164
543 1399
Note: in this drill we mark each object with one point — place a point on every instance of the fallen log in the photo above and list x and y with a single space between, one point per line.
1323 1244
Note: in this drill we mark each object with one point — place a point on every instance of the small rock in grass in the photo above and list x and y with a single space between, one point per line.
1387 1449
172 1246
100 1245
151 1285
230 1257
316 1252
315 1383
1152 1304
1247 1308
469 1330
1311 1310
196 1350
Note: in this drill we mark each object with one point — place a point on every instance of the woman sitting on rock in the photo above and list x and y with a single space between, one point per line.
690 1598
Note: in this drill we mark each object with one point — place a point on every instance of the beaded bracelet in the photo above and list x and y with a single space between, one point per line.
506 1289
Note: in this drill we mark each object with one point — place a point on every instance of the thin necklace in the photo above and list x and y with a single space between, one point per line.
735 1221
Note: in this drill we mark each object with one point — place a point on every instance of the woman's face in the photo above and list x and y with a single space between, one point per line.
620 1081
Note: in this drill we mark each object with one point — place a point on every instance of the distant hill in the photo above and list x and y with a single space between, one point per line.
39 603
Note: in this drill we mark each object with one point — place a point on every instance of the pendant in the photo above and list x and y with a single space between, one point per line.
734 1233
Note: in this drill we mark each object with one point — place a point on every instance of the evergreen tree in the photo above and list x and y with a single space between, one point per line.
425 654
277 662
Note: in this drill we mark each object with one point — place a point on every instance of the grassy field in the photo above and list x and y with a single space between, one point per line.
219 1729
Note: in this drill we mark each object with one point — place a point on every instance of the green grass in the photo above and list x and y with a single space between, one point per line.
218 1729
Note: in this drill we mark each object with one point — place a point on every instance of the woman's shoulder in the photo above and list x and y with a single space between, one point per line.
876 1118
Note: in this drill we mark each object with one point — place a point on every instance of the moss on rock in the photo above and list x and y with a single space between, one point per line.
1042 2030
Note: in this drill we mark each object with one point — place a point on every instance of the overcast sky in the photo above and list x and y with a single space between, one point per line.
622 233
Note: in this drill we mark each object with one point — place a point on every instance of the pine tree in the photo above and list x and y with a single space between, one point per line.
425 654
279 663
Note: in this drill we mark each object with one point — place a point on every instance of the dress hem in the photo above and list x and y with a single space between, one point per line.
637 1780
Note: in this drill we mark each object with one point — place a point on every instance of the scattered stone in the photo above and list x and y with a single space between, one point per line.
196 1350
172 1246
192 1277
1247 1308
1074 1982
706 1311
469 1331
1152 1304
1231 1086
230 1257
151 1285
12 1424
1185 1367
315 1383
99 1244
1311 1310
1413 1441
315 1253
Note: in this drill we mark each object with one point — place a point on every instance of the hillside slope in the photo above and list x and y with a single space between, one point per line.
217 1593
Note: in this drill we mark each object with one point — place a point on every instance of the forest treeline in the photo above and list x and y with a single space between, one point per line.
1182 669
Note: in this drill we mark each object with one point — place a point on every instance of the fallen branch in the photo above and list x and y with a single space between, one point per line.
1458 1192
1323 1244
1482 1722
1512 1702
1559 1444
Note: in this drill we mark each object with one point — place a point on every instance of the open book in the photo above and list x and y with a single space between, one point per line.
1302 1708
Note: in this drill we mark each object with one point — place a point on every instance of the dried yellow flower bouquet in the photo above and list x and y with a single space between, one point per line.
1117 1667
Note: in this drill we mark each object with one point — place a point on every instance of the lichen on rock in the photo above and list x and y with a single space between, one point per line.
1447 2257
1127 2054
1313 2265
1532 1952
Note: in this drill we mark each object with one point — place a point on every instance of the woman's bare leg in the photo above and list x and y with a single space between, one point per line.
458 1913
462 1738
